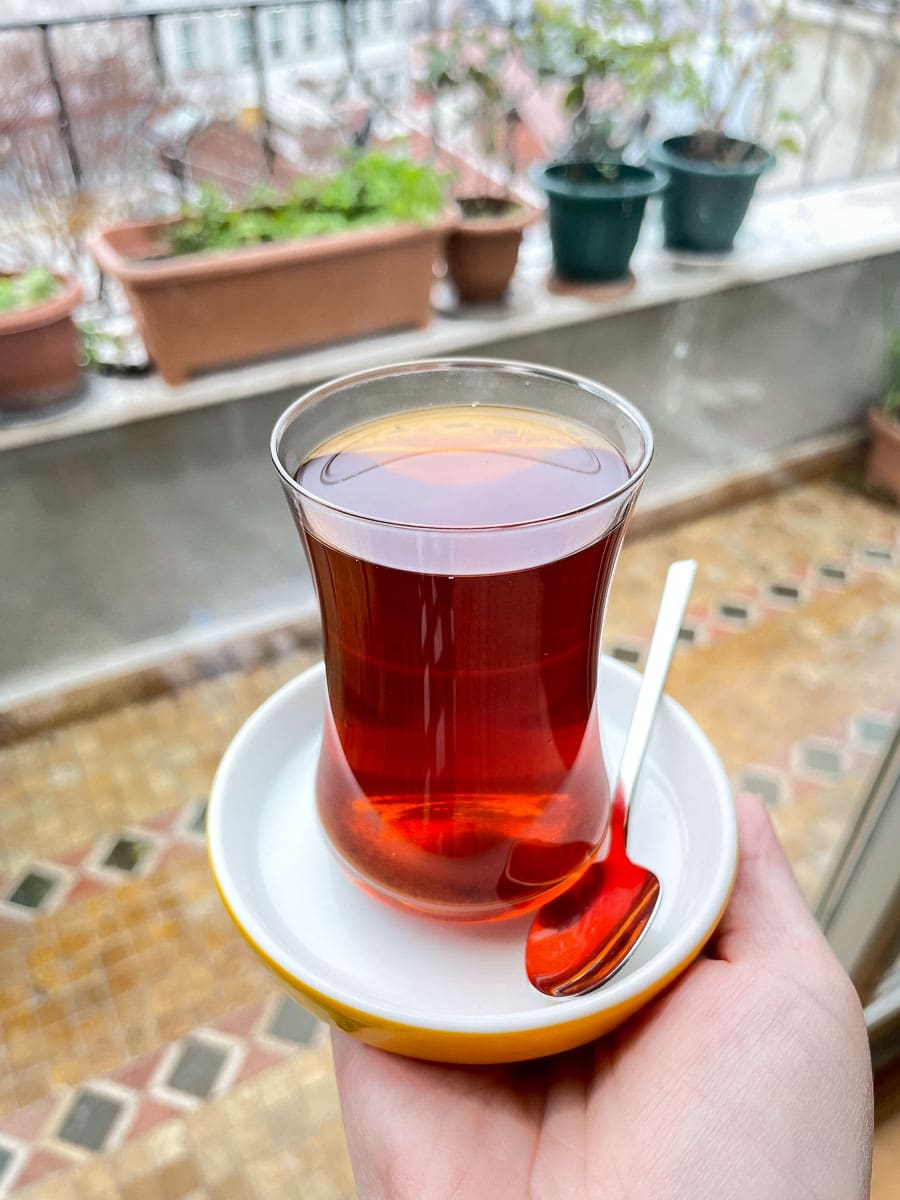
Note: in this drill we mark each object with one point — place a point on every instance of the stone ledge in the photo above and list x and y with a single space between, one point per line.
786 234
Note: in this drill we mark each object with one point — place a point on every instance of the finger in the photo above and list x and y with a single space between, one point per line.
342 1048
767 911
363 1073
372 1092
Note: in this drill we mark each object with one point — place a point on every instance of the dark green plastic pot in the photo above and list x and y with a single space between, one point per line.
708 197
594 213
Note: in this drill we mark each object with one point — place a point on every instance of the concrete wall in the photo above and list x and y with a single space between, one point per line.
177 524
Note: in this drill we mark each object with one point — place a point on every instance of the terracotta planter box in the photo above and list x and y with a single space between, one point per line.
482 253
40 352
883 463
207 310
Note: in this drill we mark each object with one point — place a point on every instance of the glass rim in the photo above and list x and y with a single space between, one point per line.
423 365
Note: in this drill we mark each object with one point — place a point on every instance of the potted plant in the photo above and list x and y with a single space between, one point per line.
40 348
713 175
596 201
465 67
883 463
342 256
594 214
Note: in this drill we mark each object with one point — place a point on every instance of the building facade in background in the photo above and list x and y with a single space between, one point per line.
211 56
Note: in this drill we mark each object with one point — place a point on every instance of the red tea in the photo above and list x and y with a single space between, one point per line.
461 769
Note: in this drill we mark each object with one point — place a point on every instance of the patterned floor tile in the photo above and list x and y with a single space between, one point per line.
12 1158
145 1055
127 854
92 1119
292 1023
39 888
772 786
32 890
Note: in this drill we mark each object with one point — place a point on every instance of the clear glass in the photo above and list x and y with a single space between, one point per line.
461 770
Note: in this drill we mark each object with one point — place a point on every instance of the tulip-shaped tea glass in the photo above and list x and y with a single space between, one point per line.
462 520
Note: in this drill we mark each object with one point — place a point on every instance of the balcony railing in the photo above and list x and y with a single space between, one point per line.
188 50
843 89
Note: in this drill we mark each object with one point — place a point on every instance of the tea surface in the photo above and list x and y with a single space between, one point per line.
464 467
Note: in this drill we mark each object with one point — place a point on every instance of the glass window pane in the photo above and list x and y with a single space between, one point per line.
310 26
245 38
277 45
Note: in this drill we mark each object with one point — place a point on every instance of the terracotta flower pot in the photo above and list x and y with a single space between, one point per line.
883 463
40 352
208 310
483 250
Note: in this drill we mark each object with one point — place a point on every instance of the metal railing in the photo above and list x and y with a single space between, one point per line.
165 72
846 93
854 95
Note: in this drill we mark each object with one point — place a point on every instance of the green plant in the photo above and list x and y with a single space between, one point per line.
26 289
372 189
468 63
742 64
620 57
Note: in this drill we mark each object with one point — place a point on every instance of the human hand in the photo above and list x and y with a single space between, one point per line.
749 1079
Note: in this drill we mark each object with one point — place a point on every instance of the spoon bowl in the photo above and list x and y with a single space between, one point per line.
584 936
596 924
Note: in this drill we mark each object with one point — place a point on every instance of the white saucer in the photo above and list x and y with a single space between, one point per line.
456 993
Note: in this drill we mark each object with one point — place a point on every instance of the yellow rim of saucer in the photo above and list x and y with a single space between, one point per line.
446 1045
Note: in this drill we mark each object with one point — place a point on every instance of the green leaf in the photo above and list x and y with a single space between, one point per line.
575 97
373 188
27 289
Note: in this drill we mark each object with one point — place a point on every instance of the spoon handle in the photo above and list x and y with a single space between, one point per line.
679 581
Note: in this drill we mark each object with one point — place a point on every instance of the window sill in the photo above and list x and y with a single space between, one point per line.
786 234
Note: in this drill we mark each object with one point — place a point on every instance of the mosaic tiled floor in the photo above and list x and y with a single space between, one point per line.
144 1055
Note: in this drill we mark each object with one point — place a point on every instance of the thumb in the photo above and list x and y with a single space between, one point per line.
767 912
